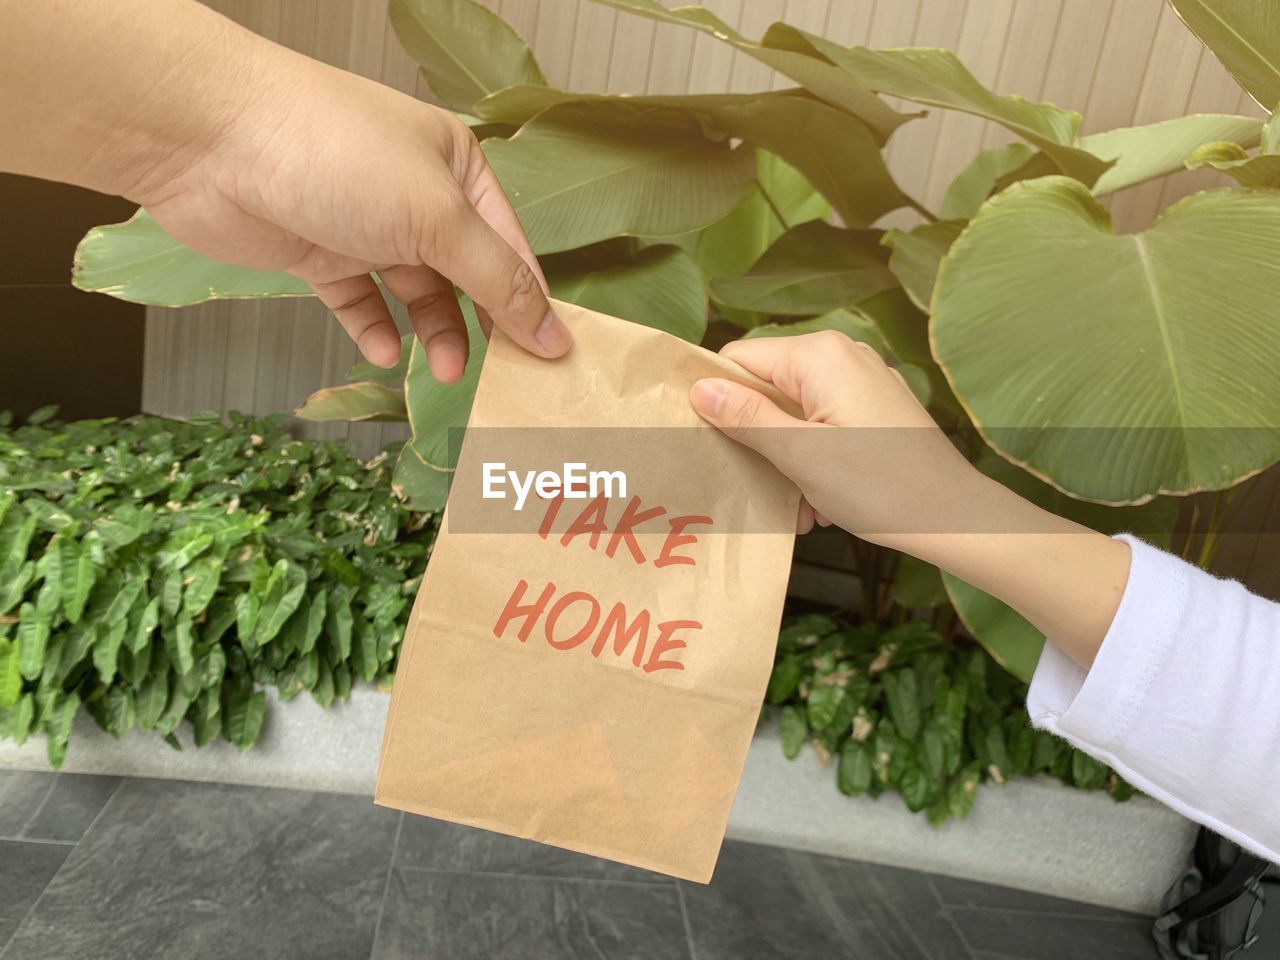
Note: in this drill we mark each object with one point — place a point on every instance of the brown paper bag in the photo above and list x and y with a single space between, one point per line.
571 675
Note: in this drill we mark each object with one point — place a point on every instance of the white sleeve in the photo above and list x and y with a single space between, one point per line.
1183 700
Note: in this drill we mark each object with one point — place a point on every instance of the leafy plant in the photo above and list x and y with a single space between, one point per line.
1102 374
901 709
156 571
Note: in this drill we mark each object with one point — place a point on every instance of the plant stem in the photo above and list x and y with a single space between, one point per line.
922 210
772 206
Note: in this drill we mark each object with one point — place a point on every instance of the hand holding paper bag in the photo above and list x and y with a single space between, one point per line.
588 671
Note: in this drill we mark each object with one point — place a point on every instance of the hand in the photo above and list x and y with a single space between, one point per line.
253 154
868 457
330 177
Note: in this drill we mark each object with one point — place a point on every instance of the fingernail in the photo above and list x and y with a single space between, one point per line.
708 397
553 335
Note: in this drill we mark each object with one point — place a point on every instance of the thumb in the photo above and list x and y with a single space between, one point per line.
748 417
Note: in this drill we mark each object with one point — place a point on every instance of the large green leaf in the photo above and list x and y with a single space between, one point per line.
917 254
811 269
1008 637
426 460
659 286
465 50
977 181
579 173
137 261
815 73
1158 149
1245 36
936 78
354 401
1262 170
10 674
836 152
1118 367
779 199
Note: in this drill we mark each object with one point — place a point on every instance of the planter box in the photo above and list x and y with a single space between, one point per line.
1032 834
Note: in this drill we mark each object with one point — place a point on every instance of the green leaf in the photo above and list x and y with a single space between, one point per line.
10 673
426 461
784 679
145 626
659 286
77 578
812 71
1159 317
118 711
936 78
42 414
139 262
206 717
902 691
57 724
837 153
824 702
1158 149
16 531
339 623
1013 642
853 776
150 700
960 791
242 718
203 575
917 254
811 269
465 51
639 173
917 584
978 180
779 199
853 324
794 731
183 547
1086 772
1245 36
915 788
180 646
367 401
14 586
106 650
1262 171
33 634
281 597
173 714
22 719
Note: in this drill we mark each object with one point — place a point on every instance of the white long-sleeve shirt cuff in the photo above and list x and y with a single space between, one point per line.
1183 700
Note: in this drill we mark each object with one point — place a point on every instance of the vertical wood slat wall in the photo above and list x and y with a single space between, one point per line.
1118 62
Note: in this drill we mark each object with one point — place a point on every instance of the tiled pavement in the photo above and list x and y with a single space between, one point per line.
99 868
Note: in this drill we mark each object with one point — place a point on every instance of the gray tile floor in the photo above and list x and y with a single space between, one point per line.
99 868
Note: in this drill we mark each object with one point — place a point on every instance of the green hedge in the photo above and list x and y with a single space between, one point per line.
154 571
902 709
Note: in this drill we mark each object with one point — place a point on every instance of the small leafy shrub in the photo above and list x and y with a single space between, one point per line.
155 571
901 709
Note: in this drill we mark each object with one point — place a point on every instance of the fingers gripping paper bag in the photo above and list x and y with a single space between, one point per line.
587 670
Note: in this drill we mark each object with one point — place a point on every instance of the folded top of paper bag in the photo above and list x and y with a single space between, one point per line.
587 669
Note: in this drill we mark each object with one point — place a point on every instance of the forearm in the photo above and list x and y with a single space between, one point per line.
1067 580
115 96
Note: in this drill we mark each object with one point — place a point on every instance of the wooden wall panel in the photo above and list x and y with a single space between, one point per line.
1118 62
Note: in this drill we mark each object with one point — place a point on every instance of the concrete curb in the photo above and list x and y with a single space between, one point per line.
1032 834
